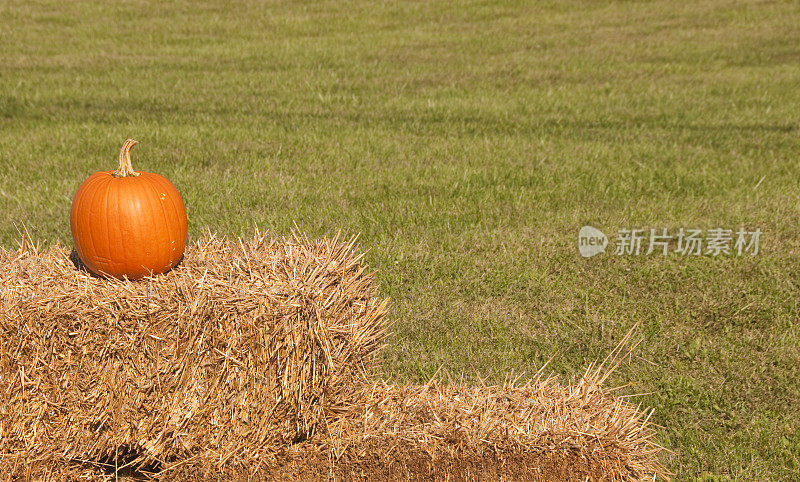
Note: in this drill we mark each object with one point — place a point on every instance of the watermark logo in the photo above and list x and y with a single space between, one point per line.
686 242
591 241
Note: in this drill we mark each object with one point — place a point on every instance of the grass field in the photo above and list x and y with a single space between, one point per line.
467 142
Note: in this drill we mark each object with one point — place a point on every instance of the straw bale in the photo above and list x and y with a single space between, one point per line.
246 346
538 430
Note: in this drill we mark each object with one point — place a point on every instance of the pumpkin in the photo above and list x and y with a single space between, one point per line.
128 224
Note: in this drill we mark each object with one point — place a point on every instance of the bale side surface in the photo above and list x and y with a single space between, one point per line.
539 430
246 346
542 431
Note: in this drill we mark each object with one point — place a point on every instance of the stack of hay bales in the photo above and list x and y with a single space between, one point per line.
251 360
245 347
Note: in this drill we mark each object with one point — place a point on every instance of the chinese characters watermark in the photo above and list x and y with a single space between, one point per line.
686 242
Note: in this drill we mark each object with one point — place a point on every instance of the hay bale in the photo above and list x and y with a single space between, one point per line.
539 430
244 347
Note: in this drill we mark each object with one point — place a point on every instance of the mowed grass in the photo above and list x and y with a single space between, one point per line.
467 142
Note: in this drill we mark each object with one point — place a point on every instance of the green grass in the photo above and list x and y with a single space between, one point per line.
468 142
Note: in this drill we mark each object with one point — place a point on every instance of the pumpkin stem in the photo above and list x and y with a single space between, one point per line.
125 167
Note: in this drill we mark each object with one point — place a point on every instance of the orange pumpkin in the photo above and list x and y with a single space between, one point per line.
126 223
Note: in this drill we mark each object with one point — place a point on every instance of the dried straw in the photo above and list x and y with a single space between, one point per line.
246 346
536 430
250 361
